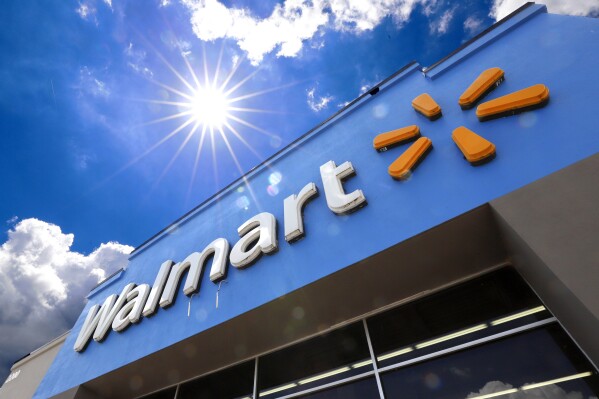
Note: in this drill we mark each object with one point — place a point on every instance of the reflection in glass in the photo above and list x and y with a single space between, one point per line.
539 364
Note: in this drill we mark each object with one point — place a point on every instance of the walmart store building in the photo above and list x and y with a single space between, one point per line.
471 272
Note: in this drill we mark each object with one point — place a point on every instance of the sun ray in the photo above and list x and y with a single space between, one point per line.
231 74
259 93
249 146
250 125
158 143
241 82
214 163
196 162
218 62
192 72
162 102
172 90
174 157
256 110
168 65
202 99
206 78
239 168
244 141
174 71
168 118
143 155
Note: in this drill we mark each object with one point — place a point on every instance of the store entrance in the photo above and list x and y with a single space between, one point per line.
489 337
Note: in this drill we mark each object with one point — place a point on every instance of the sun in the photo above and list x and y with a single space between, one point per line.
209 107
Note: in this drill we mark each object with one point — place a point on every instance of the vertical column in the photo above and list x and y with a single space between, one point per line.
255 393
373 358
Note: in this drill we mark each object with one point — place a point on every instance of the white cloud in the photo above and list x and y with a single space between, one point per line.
12 220
472 25
86 11
441 25
285 29
293 22
43 284
316 103
501 8
90 84
362 15
550 391
82 160
137 59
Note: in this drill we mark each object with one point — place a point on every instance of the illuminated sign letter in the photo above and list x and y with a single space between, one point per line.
195 263
337 200
261 230
131 312
157 288
294 224
99 319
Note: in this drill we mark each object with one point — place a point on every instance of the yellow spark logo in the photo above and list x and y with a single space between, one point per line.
476 149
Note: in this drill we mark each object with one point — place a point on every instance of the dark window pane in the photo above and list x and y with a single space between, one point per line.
164 394
363 389
336 355
231 383
543 356
487 305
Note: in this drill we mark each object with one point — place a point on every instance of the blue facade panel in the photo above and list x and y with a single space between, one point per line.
533 47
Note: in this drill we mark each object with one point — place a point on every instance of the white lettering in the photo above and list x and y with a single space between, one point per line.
131 312
293 205
337 200
157 288
195 263
261 229
99 319
258 235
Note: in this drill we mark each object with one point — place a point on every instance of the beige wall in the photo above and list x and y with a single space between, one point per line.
31 370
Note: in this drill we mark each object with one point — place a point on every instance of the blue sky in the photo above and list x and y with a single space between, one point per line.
97 116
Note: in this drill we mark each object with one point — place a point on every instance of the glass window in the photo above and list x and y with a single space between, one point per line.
231 383
362 389
330 357
537 364
537 361
481 307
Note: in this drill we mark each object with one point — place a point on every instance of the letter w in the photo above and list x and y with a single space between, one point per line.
99 319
